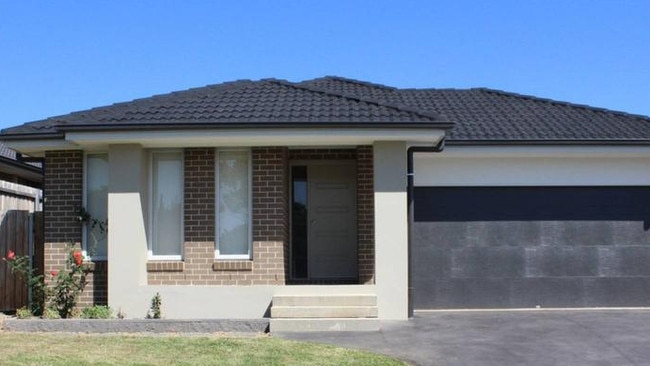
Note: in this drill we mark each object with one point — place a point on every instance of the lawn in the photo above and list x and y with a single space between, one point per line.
90 349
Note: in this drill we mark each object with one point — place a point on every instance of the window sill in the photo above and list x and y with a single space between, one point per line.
97 265
165 266
232 265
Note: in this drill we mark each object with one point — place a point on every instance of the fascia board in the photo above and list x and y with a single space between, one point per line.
37 147
254 137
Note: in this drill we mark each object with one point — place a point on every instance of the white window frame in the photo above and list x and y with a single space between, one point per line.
150 225
217 254
84 202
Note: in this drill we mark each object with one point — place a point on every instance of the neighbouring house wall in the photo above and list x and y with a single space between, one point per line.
63 192
14 196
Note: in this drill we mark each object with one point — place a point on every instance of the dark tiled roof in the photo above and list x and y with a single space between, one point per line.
6 152
480 115
485 115
10 155
264 102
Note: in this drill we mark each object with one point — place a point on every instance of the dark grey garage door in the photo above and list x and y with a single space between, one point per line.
520 247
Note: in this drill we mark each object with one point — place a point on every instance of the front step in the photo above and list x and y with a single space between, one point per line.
325 325
308 313
325 300
323 312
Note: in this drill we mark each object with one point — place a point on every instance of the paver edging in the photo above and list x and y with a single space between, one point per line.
136 325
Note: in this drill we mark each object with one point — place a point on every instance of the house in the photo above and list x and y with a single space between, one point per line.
20 197
248 198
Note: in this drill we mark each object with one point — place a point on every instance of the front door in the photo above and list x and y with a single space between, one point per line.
324 235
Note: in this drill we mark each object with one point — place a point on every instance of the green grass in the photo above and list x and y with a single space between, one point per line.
88 349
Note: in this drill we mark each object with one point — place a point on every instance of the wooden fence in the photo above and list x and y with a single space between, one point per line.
17 229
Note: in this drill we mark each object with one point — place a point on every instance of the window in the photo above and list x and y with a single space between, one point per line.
233 204
96 205
166 205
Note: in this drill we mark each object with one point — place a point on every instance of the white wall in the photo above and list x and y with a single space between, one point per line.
391 230
127 241
534 166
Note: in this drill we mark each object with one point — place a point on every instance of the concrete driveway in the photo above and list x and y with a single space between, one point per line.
575 337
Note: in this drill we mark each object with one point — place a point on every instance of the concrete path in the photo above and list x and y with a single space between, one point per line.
584 337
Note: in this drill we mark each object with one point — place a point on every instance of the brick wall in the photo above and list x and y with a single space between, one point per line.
270 187
366 214
199 194
63 194
270 225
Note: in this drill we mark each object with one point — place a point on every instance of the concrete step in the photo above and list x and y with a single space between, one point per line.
325 300
325 325
323 311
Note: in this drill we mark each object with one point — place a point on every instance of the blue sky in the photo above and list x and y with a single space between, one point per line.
62 56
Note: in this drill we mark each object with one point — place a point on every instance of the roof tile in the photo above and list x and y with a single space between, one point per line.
480 114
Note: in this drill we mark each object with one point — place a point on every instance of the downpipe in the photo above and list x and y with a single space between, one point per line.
410 175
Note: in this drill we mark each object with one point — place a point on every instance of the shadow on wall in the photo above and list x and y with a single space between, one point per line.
466 204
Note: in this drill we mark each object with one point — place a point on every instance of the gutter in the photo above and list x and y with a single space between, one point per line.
551 142
410 175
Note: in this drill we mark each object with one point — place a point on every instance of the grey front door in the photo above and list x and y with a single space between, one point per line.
332 234
324 220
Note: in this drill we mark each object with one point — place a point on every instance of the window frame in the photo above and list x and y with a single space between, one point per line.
84 202
249 254
150 221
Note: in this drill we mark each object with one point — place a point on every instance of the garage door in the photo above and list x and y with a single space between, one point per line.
521 247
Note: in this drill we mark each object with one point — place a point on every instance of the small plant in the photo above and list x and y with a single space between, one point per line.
154 310
97 312
24 313
50 313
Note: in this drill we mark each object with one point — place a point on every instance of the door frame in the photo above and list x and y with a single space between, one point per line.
320 162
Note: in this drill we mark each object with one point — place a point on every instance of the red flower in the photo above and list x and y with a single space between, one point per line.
11 255
78 257
54 273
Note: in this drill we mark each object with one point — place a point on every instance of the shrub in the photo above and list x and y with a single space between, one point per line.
20 264
155 311
97 312
49 313
24 313
68 284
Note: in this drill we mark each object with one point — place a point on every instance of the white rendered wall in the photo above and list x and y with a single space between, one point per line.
391 230
127 241
534 166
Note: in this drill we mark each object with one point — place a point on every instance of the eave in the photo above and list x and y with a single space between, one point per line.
94 140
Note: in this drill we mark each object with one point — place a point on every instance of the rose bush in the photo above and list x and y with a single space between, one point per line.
66 284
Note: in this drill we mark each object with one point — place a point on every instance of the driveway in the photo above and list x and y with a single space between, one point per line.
574 337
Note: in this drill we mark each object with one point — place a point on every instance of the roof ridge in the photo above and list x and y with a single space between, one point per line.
398 107
355 81
559 102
